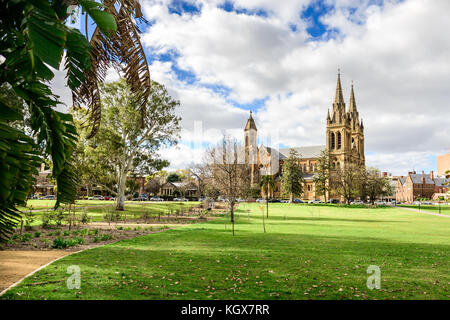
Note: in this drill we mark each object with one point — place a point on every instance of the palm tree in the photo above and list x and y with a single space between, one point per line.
266 183
44 40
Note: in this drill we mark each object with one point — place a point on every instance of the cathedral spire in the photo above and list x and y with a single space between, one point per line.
339 98
352 106
250 123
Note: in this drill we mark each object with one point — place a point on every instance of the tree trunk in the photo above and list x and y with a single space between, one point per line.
120 202
267 202
291 198
232 215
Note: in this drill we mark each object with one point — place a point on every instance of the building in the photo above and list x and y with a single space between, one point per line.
443 164
172 190
344 138
418 186
43 185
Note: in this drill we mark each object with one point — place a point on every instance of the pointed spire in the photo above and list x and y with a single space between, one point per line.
250 123
339 98
328 115
352 106
362 124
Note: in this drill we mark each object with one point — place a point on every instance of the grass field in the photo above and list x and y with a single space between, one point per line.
308 252
97 209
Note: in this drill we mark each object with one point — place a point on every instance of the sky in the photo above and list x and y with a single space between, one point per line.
279 59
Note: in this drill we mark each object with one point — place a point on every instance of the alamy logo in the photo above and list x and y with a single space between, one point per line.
74 281
374 281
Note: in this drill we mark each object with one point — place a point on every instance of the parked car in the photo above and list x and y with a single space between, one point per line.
156 199
96 197
315 201
106 197
380 203
357 202
140 198
260 200
274 200
49 197
297 201
333 201
202 199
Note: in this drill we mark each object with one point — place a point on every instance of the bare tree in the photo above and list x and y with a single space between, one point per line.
228 173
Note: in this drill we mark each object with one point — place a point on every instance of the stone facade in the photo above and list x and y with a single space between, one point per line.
344 140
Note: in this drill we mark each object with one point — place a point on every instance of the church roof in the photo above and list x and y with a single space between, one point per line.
303 152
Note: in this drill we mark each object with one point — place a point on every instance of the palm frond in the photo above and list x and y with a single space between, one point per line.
125 53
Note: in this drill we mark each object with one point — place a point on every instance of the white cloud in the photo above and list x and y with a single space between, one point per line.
397 54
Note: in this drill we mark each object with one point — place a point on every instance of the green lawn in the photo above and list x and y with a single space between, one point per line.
443 208
308 252
97 209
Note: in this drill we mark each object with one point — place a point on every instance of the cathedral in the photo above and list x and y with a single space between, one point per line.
344 140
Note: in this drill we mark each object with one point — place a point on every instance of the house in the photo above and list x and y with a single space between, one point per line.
415 186
44 186
179 189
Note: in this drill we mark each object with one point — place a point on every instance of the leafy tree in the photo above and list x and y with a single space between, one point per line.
346 181
266 183
122 145
374 185
173 177
322 176
34 36
292 176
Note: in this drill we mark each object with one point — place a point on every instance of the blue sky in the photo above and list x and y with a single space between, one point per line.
222 59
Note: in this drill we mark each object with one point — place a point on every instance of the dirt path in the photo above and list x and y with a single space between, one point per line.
16 264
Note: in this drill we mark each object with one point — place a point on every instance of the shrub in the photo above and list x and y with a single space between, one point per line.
119 228
96 239
60 243
93 232
29 219
75 241
46 219
37 234
59 216
26 237
106 237
146 216
85 218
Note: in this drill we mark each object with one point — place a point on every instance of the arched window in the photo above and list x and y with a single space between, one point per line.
334 165
338 165
311 168
332 141
353 143
304 168
339 140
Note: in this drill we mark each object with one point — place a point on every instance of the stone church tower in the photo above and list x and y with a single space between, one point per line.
251 148
345 131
